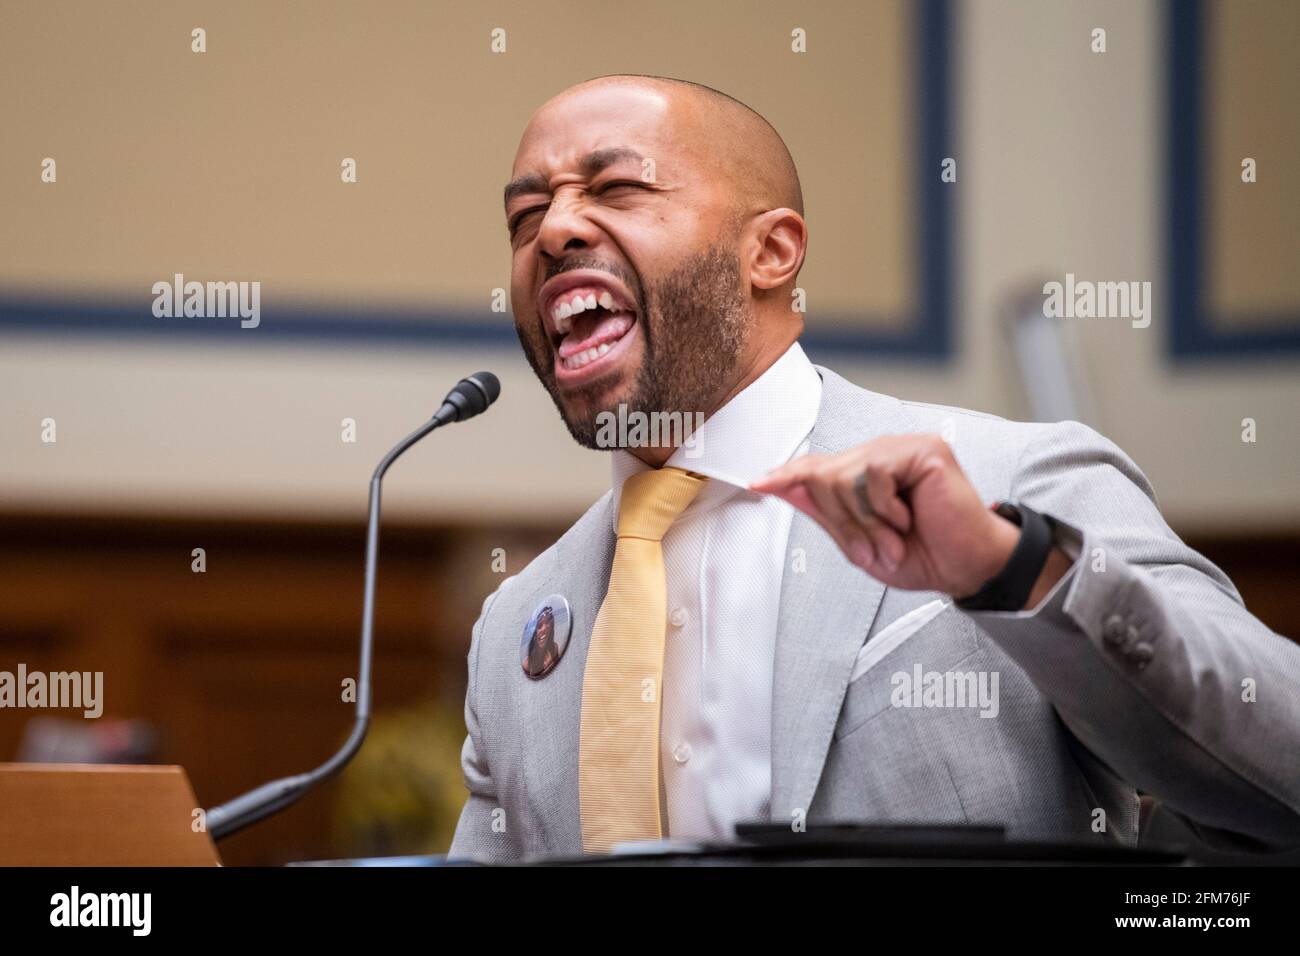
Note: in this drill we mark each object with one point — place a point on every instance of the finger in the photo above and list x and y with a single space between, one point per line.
855 545
888 544
799 497
854 540
791 473
882 492
822 490
871 493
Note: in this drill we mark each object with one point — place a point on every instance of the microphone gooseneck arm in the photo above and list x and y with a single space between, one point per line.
471 396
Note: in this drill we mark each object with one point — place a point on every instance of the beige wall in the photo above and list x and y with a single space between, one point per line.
1060 170
227 163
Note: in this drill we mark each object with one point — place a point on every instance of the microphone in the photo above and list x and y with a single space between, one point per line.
469 397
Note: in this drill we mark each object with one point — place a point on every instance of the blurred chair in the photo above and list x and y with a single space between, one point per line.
60 740
1047 357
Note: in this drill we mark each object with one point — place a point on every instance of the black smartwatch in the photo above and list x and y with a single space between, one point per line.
1010 588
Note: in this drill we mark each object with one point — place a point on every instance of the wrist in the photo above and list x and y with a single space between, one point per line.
1000 538
1058 562
1027 573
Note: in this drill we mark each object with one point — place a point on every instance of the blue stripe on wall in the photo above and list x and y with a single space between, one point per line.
926 335
1193 334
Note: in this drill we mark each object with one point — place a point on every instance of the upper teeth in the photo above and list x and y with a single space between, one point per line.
564 309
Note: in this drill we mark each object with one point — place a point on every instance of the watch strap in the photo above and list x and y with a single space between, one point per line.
1010 588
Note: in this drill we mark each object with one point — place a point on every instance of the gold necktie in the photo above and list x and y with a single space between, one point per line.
618 755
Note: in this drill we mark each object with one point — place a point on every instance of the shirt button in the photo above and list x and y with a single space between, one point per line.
682 752
678 617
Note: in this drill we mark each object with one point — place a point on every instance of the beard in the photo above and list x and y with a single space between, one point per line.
694 327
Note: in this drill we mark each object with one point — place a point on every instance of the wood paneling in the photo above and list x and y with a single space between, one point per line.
240 668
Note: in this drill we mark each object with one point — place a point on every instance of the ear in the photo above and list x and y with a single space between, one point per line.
782 238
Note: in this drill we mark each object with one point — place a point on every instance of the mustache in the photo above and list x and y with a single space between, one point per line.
616 269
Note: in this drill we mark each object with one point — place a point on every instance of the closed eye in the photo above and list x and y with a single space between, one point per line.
517 219
628 183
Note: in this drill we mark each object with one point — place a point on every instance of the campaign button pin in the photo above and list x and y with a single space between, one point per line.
546 637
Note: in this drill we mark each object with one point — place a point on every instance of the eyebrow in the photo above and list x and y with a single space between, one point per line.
591 164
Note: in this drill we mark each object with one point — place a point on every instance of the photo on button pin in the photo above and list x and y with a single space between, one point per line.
546 637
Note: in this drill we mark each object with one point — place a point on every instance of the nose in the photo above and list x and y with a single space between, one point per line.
565 228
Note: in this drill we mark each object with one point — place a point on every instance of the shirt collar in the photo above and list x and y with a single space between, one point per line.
758 430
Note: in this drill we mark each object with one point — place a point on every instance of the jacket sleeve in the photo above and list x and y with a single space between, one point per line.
1149 656
482 833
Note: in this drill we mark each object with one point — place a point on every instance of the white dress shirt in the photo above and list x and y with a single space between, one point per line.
724 559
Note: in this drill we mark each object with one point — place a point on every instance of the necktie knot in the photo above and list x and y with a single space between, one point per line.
652 500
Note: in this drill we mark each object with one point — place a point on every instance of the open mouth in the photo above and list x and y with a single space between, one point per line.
589 324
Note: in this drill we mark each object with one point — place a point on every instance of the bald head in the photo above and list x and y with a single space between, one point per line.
745 144
745 147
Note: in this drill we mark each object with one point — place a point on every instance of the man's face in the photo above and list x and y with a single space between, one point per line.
624 279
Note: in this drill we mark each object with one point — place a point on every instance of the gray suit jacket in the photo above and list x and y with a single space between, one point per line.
1141 671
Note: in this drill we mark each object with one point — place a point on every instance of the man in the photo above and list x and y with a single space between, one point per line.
890 649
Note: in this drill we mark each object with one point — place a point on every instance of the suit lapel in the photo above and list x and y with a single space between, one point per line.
827 608
826 612
552 707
